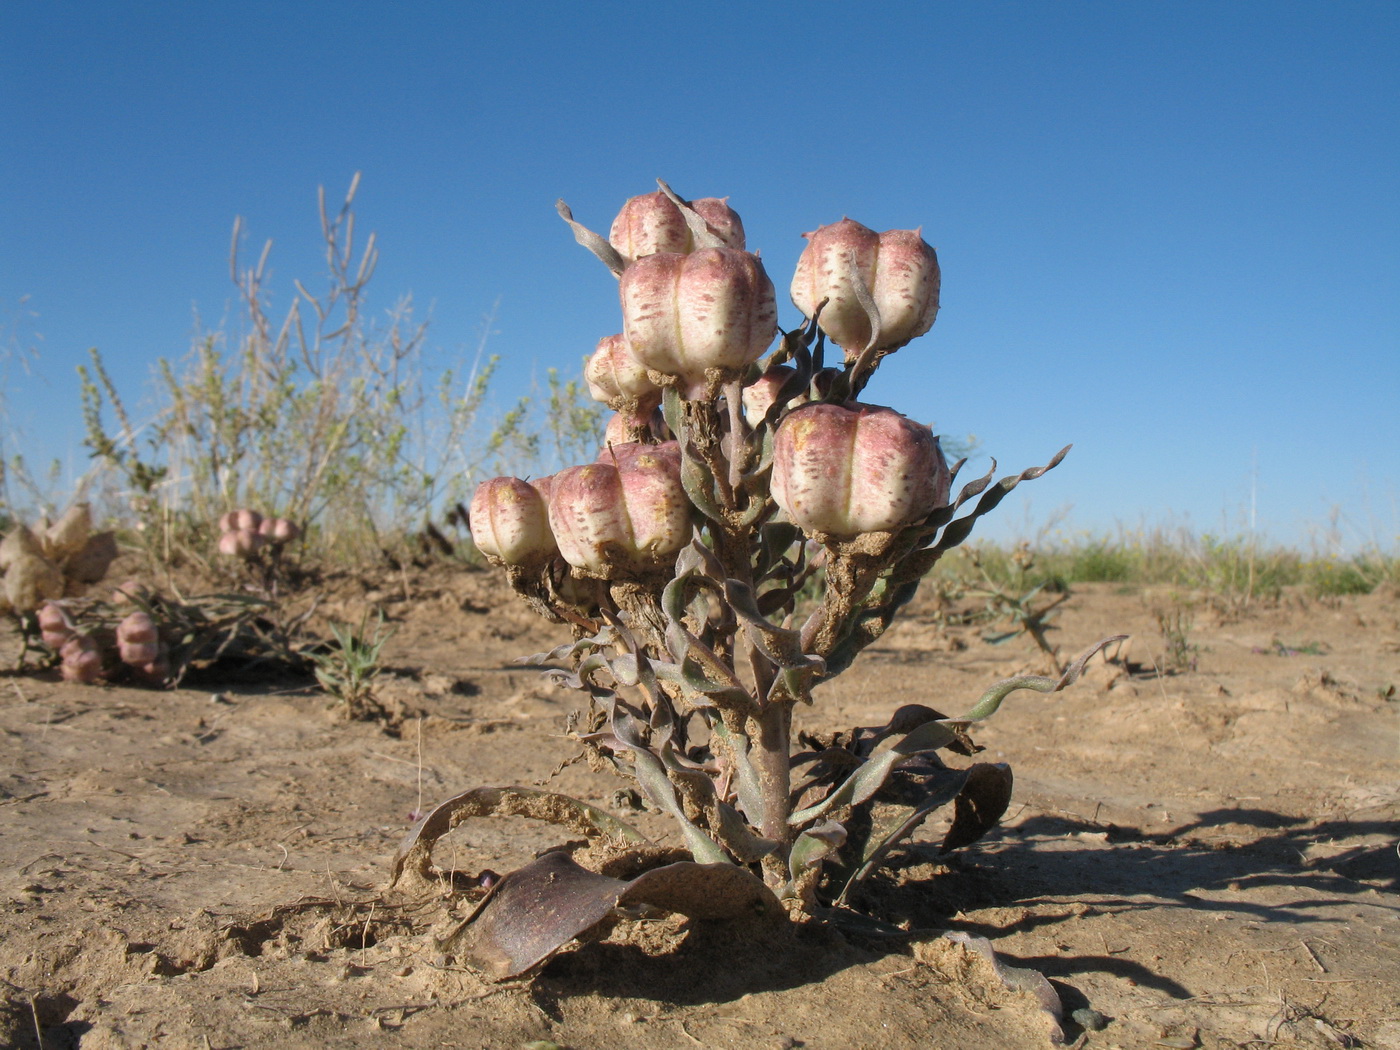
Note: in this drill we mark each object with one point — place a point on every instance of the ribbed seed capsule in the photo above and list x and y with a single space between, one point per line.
624 514
509 522
844 470
652 223
700 318
618 379
897 268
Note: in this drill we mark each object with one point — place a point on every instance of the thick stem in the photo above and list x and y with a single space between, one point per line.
643 606
851 572
706 433
770 732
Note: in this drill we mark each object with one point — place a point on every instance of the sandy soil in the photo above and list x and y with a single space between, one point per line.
1206 858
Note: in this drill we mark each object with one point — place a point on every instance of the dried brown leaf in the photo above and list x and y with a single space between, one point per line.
535 911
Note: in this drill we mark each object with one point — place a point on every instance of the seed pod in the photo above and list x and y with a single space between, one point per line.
623 453
138 627
54 625
652 223
897 267
618 379
20 540
701 318
137 654
246 520
510 522
623 515
543 486
140 646
844 470
82 659
241 543
626 427
278 531
32 580
762 392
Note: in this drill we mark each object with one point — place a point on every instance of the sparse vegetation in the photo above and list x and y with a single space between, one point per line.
325 414
1232 570
1174 622
347 669
1013 605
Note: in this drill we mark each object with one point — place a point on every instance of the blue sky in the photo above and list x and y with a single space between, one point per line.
1168 232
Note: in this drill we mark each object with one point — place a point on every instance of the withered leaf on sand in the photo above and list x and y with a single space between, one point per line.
536 910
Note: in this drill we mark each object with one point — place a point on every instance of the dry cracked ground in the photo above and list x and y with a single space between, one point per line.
1205 858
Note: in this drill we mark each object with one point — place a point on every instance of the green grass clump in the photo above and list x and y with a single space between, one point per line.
1099 561
1358 575
1235 567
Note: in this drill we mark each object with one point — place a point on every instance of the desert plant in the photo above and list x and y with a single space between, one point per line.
141 636
259 545
1013 599
347 669
51 561
1361 574
1174 622
325 413
677 565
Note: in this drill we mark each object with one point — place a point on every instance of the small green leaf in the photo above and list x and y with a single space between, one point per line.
814 845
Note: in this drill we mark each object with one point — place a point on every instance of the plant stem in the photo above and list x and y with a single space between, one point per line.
771 732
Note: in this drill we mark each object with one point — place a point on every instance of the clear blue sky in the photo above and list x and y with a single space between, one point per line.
1168 231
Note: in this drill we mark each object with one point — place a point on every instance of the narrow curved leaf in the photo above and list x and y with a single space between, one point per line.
775 540
746 782
705 235
779 644
698 481
672 411
701 673
604 639
651 775
957 531
814 845
947 788
599 246
416 849
739 837
871 774
942 515
691 677
987 705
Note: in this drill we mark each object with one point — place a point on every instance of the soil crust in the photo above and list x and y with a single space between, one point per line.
1203 858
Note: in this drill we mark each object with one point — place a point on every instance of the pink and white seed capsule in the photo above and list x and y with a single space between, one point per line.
845 470
510 522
